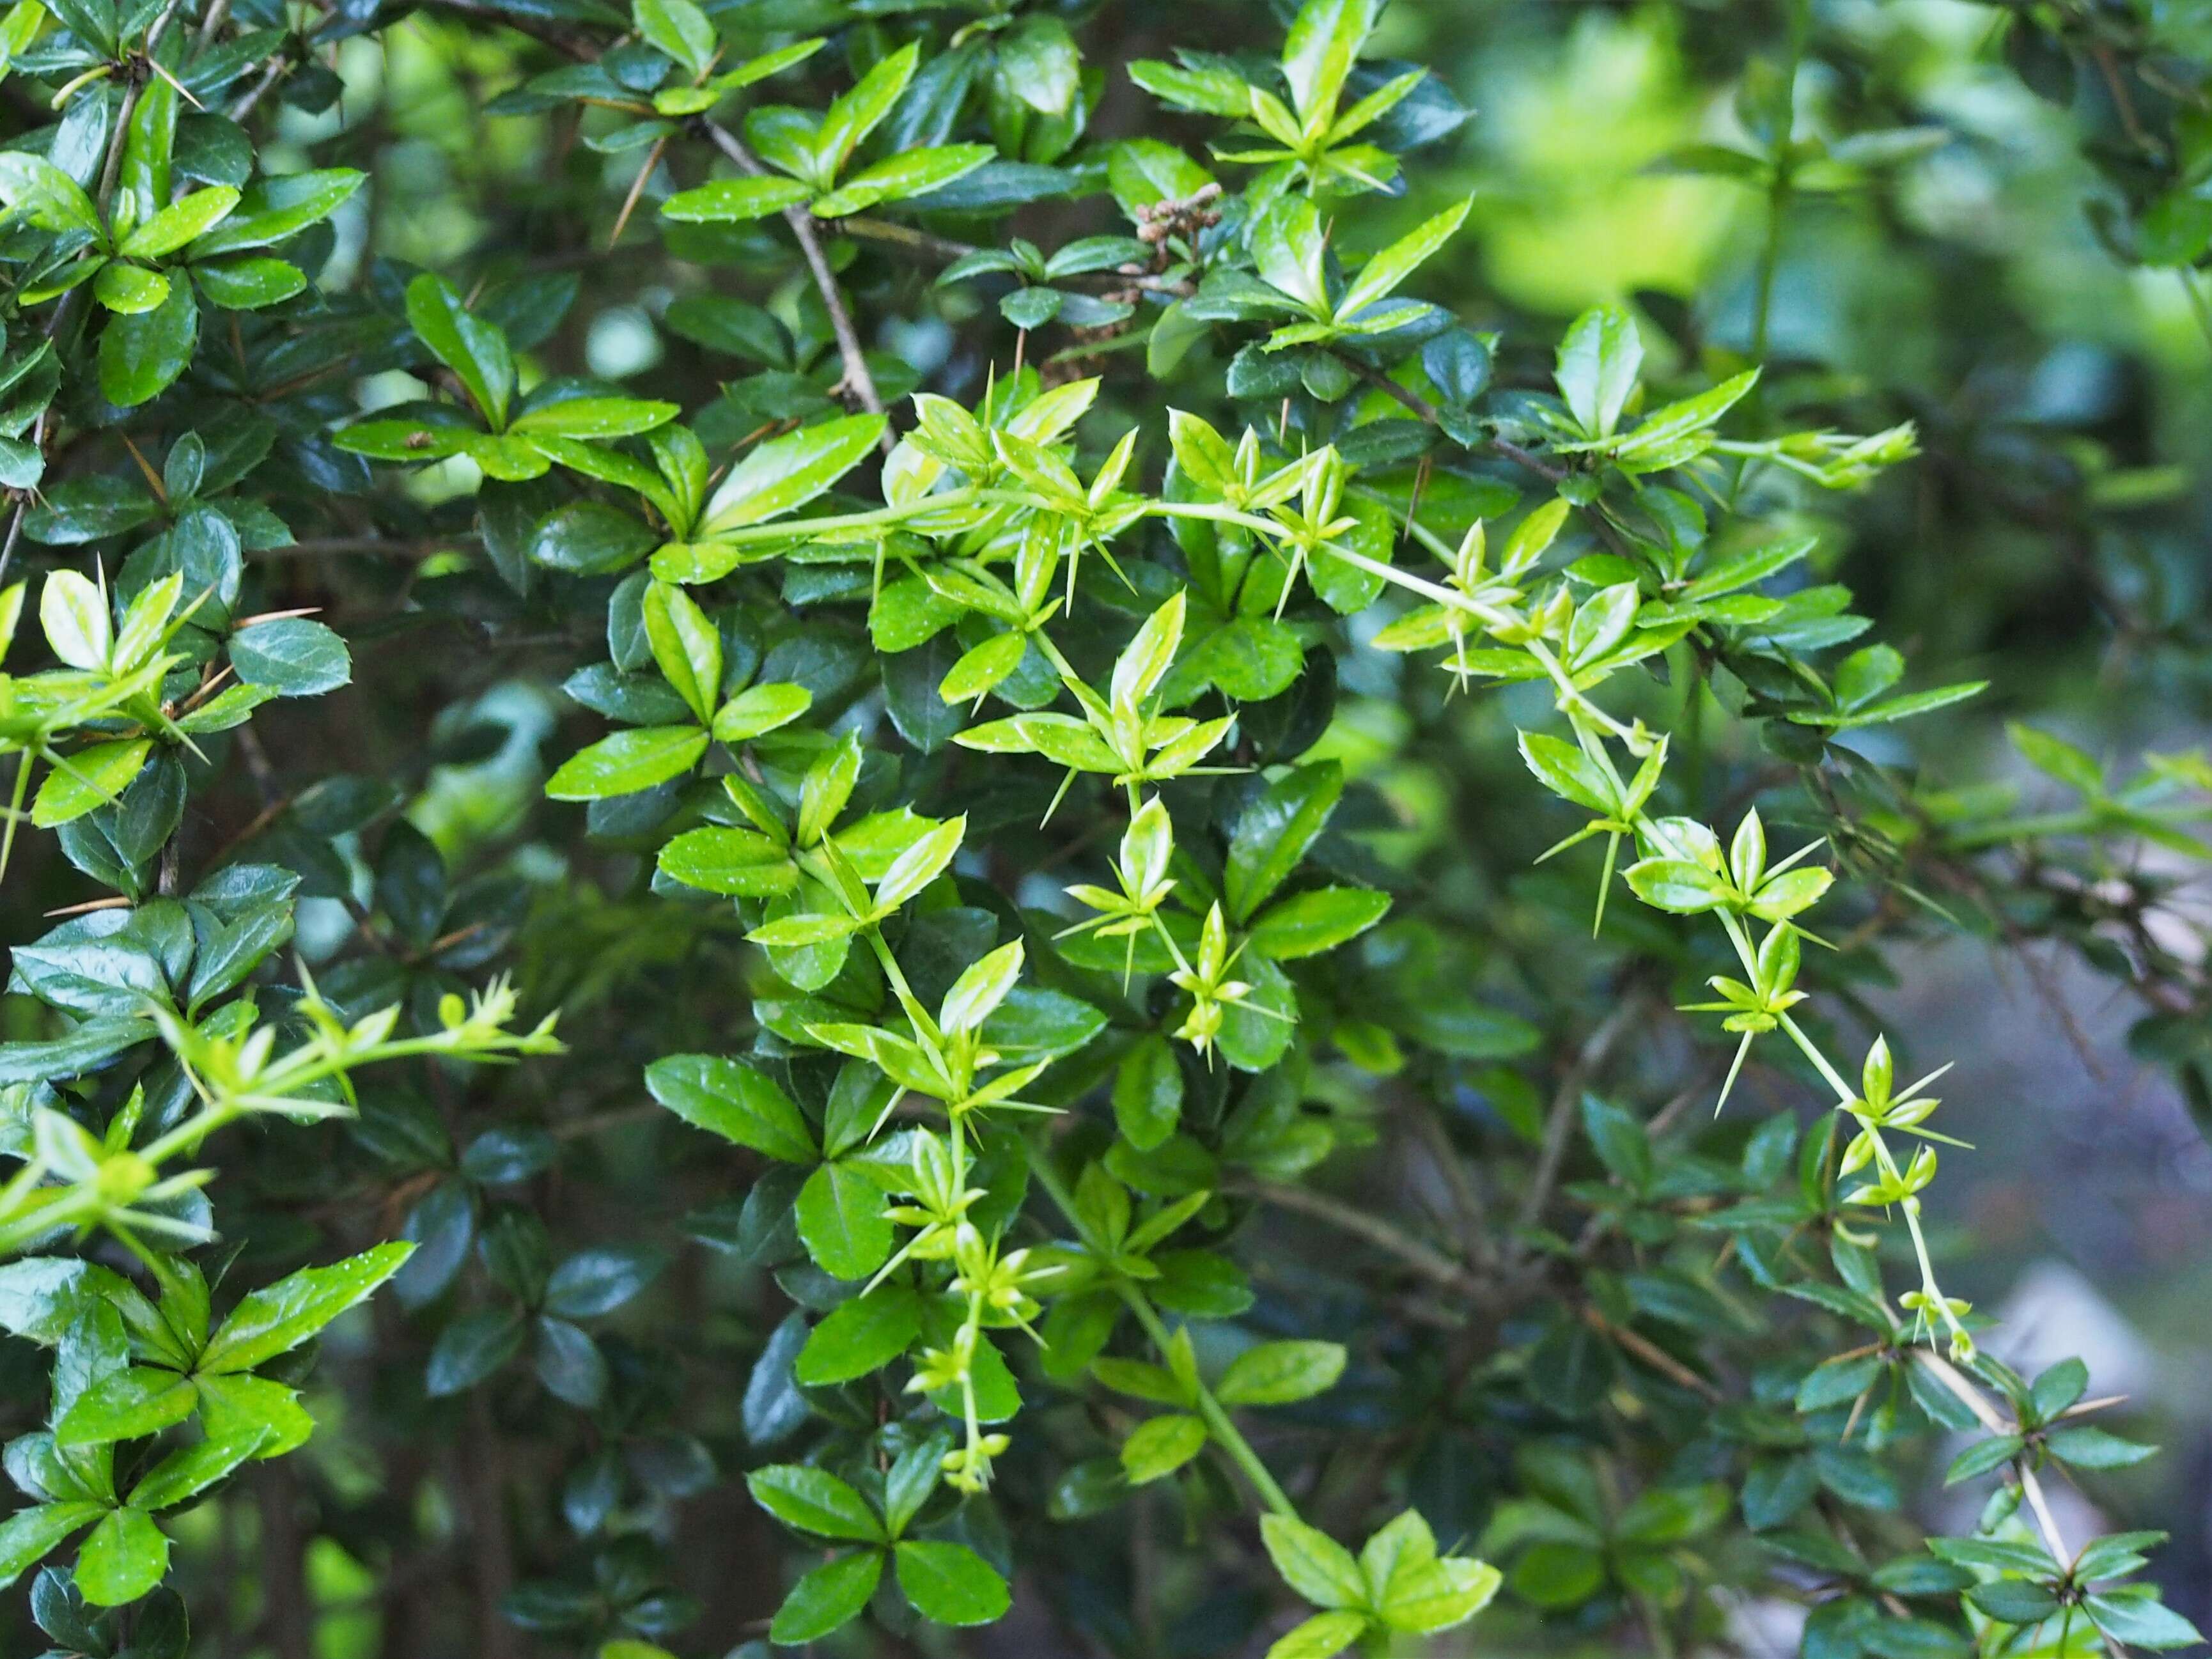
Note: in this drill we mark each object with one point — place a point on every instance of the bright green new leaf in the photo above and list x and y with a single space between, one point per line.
786 473
269 1321
627 762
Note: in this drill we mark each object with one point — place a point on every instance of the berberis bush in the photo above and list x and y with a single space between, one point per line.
1027 858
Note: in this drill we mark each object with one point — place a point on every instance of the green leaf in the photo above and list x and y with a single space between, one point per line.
595 417
1834 1381
1321 1637
594 1283
275 1320
1288 246
474 349
1896 709
729 1099
190 1470
627 762
1382 274
921 864
1670 1514
278 208
1161 1445
1622 1144
88 779
141 356
121 1558
686 647
949 1584
2056 758
30 1534
737 862
1658 432
855 116
1677 885
827 1599
842 1222
74 617
2091 1448
786 473
734 200
1148 1093
32 189
1141 171
1324 43
248 284
916 173
983 668
1280 1373
760 709
1598 363
1274 832
2140 1621
472 1348
678 28
860 1336
127 1405
2014 1600
128 290
1981 1457
1312 1562
1038 59
1552 1575
1436 1594
1312 922
240 1407
180 222
292 656
589 538
1209 89
814 1501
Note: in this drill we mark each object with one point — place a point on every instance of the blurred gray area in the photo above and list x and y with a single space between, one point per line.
2082 1220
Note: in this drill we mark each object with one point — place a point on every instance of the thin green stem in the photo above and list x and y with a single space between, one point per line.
1216 1417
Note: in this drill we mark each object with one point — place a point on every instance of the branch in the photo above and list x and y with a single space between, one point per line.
1652 1355
1986 1414
1560 1124
1422 409
858 381
1430 1263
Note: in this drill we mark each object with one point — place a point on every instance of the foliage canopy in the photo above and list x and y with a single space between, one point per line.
1209 927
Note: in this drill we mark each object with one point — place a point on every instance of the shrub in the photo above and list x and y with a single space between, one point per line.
1028 854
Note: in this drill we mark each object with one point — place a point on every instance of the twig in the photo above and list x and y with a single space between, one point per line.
637 190
243 107
621 1117
1560 1125
1422 409
906 236
1986 1414
1651 1354
1472 1211
1430 1263
117 903
858 381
